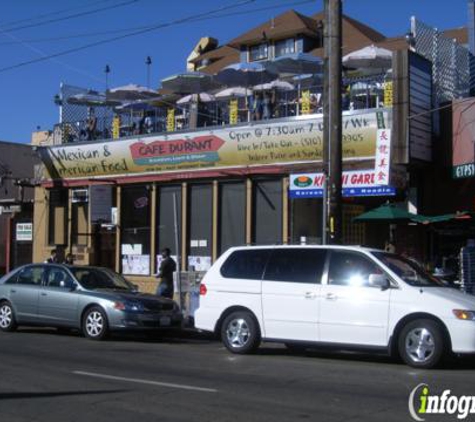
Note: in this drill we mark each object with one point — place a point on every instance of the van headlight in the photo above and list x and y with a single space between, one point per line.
464 314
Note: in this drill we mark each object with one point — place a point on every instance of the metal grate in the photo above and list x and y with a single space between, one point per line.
450 61
73 117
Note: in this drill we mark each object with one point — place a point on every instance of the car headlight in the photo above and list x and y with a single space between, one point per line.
129 306
464 314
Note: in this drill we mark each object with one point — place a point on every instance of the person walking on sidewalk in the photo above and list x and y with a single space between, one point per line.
165 274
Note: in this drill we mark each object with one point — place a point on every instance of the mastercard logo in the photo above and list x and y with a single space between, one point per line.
302 181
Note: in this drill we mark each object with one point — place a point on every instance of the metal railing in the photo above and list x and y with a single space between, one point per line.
358 93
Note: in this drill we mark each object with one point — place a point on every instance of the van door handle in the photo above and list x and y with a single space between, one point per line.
44 294
310 295
12 291
331 296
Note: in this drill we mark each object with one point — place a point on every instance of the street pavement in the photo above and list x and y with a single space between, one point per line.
53 377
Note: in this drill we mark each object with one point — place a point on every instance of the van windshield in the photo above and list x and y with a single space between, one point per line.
408 270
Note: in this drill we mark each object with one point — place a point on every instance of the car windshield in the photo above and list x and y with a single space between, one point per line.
95 278
409 271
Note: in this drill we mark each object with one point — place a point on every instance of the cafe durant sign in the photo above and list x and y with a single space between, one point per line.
298 140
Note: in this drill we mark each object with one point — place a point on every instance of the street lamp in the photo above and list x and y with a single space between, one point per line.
148 63
107 70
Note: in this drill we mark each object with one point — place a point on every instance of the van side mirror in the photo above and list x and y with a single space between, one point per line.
378 280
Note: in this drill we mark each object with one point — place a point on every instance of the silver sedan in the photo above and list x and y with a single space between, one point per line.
92 299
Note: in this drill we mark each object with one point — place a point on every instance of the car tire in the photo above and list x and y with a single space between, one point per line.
240 333
421 344
7 317
94 324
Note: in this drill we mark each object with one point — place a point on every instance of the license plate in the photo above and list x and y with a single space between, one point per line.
165 321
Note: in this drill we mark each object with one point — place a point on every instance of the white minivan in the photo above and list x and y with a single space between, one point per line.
335 295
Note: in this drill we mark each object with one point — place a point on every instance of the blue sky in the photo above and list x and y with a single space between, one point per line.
30 29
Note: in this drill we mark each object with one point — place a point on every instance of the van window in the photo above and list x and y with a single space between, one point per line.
296 265
247 264
351 269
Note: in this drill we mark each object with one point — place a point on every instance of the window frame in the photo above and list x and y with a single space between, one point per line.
284 41
257 48
53 268
355 253
31 267
250 251
319 272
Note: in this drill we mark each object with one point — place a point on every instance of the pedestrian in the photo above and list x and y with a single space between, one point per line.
165 274
69 260
53 258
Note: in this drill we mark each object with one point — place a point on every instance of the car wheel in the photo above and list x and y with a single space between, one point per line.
7 317
94 324
240 333
421 344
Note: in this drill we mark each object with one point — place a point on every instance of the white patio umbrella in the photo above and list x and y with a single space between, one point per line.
92 99
295 64
237 91
202 96
245 74
131 92
277 84
369 57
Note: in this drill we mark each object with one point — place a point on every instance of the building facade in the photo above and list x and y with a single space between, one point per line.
198 191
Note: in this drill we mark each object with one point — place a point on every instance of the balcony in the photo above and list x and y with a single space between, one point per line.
169 113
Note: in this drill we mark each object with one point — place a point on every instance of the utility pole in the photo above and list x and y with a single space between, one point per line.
326 151
332 122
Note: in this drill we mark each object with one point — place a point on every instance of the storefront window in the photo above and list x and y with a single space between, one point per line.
284 47
232 215
79 218
58 217
306 220
267 212
165 237
258 52
200 217
135 223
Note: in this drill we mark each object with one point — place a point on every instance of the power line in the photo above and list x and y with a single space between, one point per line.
137 28
43 54
73 16
44 15
130 34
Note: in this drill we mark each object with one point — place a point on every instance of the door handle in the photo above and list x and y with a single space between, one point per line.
310 295
44 294
12 291
331 296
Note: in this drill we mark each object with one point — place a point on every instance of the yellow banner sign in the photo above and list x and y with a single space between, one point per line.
116 127
388 94
170 120
306 102
233 112
295 140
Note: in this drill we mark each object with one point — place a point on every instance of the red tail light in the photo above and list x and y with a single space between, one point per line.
203 290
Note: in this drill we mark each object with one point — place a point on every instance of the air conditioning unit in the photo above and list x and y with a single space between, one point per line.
80 195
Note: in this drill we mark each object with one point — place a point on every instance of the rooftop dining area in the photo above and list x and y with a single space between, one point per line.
241 93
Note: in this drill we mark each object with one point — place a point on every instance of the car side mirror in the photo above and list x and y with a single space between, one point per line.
378 280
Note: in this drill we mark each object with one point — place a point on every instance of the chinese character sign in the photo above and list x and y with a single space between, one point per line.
383 156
